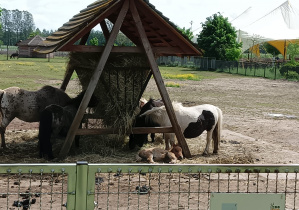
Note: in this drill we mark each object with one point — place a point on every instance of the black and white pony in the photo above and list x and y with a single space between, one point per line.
56 120
151 103
192 120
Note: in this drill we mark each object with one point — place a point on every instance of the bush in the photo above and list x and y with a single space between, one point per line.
289 68
292 75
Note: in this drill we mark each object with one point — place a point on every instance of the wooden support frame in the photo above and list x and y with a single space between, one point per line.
93 81
127 5
159 80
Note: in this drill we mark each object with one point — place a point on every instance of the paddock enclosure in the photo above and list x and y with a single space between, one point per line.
118 186
119 76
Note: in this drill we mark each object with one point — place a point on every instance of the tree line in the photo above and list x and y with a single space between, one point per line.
19 25
16 25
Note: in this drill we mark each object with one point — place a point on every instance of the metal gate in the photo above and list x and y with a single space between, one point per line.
143 186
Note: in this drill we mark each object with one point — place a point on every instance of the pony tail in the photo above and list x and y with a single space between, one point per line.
219 125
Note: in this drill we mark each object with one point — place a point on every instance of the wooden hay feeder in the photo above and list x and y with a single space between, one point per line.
119 75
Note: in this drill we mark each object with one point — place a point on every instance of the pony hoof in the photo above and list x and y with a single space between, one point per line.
205 154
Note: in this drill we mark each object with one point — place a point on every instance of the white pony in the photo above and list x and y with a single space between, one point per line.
192 120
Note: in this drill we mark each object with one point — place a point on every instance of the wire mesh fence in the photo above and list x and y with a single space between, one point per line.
143 186
34 186
191 187
267 68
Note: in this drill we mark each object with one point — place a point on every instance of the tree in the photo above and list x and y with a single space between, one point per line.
218 38
94 41
293 50
187 32
0 16
34 33
16 25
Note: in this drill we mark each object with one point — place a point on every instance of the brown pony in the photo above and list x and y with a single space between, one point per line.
27 105
153 155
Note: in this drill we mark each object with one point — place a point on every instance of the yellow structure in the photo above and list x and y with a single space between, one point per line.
281 45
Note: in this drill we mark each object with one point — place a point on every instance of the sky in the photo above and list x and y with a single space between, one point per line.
244 15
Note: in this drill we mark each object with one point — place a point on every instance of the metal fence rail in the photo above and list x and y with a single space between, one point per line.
143 186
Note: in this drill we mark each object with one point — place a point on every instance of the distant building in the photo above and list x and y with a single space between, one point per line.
26 48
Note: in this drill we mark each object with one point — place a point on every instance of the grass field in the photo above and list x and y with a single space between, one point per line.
28 73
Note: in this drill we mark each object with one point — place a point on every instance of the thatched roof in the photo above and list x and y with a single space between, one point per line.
162 34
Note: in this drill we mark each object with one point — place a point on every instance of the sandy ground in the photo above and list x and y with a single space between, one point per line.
260 127
260 120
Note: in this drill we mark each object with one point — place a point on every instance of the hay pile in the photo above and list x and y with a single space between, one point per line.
119 88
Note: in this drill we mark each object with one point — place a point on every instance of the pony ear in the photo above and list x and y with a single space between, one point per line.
1 93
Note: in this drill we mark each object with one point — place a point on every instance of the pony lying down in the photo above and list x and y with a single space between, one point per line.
153 155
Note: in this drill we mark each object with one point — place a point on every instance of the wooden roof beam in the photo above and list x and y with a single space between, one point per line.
113 8
174 35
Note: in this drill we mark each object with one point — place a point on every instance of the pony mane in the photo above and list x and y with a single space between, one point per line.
177 106
153 115
158 114
159 110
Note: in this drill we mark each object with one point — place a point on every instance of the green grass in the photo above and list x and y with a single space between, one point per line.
26 72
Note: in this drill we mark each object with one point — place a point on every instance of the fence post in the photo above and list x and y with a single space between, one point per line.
81 185
275 71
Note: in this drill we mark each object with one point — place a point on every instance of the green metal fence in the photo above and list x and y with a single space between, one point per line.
144 186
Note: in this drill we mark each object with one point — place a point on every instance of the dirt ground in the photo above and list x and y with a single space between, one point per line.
260 123
260 127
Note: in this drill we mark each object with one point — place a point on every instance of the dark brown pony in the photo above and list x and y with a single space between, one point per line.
147 106
56 120
14 55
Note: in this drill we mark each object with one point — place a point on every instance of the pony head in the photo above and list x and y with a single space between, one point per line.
178 152
93 102
138 139
143 121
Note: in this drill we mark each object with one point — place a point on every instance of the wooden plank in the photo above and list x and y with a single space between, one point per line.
117 49
135 130
93 81
66 79
70 72
105 29
169 30
159 80
123 49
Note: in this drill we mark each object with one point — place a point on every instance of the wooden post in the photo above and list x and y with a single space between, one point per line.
105 29
70 72
159 80
66 79
93 81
